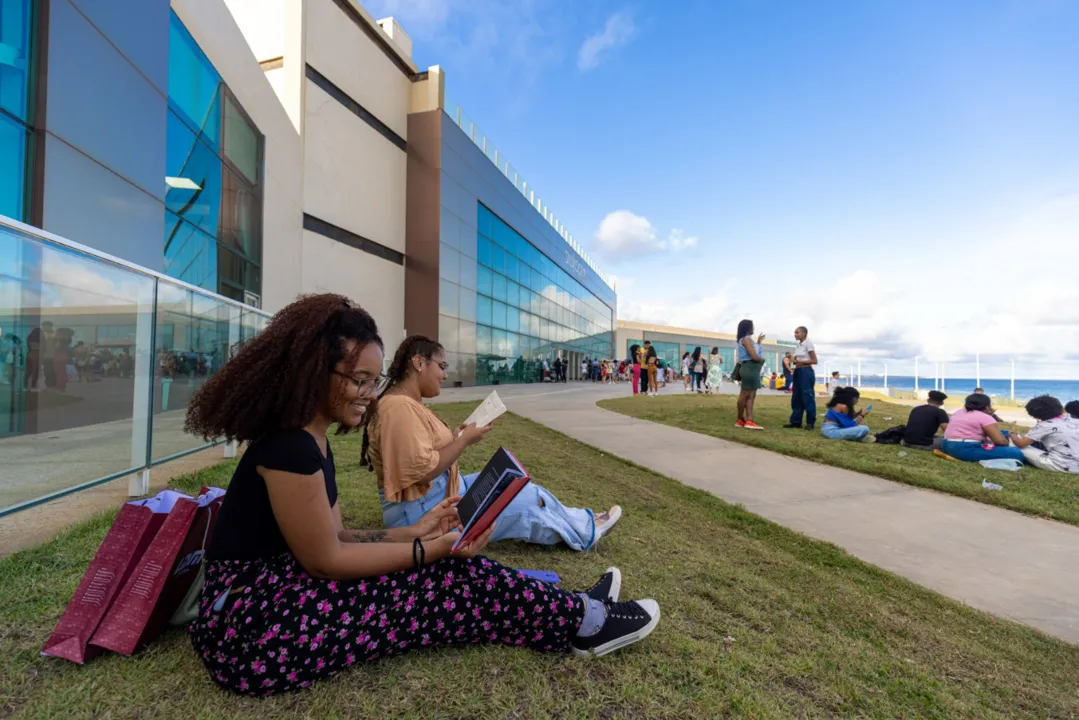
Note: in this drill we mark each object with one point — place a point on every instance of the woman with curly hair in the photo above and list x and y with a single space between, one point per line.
414 455
290 595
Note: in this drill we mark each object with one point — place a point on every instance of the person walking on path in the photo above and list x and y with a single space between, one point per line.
698 367
803 393
715 372
749 369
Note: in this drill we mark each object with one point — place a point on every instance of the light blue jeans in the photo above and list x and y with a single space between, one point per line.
523 518
834 432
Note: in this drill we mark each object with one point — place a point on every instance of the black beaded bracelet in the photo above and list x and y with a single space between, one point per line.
418 553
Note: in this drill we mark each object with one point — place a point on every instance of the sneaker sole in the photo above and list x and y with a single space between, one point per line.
621 642
606 530
747 427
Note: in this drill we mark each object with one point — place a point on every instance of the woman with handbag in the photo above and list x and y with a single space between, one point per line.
290 595
748 368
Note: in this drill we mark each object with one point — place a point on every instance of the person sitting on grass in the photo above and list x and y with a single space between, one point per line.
924 421
414 455
842 422
1053 443
290 596
973 434
1072 409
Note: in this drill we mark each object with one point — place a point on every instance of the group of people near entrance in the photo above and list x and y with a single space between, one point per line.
291 595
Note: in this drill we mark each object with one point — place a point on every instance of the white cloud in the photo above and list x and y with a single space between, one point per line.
617 31
624 233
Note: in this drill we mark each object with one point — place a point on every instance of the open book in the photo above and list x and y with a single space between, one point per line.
499 482
488 411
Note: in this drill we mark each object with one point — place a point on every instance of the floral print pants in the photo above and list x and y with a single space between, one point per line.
267 627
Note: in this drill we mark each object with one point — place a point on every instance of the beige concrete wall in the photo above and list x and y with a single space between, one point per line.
353 176
219 36
341 51
376 284
262 23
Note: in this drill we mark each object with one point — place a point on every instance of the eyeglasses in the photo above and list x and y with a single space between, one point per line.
365 385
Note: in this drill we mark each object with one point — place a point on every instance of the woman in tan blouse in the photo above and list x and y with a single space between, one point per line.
414 454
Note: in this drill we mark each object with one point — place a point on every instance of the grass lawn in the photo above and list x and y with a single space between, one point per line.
1031 491
758 621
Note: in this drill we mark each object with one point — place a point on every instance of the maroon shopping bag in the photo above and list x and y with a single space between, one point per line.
128 538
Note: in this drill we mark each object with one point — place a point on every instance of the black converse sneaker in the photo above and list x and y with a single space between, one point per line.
608 587
626 623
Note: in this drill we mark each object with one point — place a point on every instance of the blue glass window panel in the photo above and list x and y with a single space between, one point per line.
449 263
484 221
194 192
448 225
512 265
501 234
468 304
243 142
500 343
534 324
466 238
483 310
513 320
483 251
513 294
15 18
513 346
498 259
190 254
498 314
468 272
448 298
483 281
194 84
499 288
466 338
483 340
13 144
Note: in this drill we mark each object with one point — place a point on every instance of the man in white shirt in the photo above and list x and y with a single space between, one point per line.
804 396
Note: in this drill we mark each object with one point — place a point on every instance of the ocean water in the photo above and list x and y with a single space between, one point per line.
1063 390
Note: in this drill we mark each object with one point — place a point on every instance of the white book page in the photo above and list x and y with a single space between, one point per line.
488 411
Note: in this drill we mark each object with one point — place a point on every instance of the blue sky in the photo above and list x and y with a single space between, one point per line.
903 178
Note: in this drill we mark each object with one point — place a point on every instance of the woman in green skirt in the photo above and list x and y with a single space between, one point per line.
749 368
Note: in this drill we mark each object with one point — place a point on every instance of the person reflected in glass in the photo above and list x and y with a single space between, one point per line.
414 455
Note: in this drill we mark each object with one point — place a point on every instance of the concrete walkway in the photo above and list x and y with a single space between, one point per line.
1000 561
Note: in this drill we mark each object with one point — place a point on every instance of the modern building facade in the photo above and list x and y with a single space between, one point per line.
672 342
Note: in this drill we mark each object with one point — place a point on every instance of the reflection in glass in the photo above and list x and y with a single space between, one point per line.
13 149
242 141
68 330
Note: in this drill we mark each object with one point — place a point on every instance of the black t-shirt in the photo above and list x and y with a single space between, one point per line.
923 424
246 528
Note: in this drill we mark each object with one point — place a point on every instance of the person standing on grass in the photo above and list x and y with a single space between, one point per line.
804 390
924 421
788 369
750 366
291 597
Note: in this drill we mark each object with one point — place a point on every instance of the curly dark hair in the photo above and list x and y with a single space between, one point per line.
1044 407
848 396
1073 409
280 379
409 348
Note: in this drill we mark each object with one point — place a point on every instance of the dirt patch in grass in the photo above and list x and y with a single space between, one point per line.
758 621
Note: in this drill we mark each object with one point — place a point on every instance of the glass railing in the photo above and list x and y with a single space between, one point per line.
99 359
459 116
